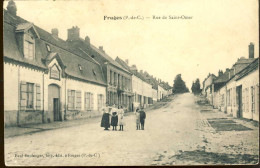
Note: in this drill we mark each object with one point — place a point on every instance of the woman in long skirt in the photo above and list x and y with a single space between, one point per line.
105 119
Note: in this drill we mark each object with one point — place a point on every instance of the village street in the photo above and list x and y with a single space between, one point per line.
179 133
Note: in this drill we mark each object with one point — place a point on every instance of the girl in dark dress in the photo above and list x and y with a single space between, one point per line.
114 120
105 119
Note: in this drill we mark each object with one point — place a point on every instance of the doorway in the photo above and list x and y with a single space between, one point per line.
54 102
239 102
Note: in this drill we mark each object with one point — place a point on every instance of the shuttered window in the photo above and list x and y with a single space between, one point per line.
29 94
243 100
257 99
253 99
71 99
100 101
78 100
38 97
89 101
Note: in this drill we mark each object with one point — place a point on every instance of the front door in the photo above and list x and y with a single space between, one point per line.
239 101
54 103
56 109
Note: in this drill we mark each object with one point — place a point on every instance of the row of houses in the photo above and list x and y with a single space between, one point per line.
48 79
236 90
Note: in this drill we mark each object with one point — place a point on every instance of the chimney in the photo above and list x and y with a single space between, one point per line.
11 7
126 61
87 40
73 34
141 71
101 48
133 68
251 50
220 73
55 32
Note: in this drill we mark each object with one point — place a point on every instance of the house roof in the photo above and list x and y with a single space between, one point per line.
108 58
250 68
136 73
91 71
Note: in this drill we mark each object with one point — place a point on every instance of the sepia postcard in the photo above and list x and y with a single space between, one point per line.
131 83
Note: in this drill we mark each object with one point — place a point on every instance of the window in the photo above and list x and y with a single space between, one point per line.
243 100
257 99
28 46
253 99
28 50
100 101
89 101
80 67
30 90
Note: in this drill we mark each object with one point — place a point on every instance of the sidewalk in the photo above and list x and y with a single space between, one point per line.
34 128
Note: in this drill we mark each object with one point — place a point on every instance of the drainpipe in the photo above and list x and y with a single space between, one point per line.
43 97
65 103
19 97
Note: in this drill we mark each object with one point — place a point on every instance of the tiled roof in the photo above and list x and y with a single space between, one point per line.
107 57
91 71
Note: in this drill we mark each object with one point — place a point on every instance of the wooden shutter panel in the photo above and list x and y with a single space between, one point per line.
23 95
85 100
92 101
38 96
78 100
69 100
98 100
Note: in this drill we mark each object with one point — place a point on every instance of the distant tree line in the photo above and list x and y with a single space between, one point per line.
195 88
179 85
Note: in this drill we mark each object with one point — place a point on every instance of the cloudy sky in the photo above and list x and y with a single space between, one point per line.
216 36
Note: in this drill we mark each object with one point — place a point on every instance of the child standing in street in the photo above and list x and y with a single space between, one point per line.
137 115
121 118
114 120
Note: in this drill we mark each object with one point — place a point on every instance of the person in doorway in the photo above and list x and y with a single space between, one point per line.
137 116
121 121
105 119
142 118
114 120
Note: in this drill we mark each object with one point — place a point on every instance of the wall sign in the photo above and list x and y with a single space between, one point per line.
55 72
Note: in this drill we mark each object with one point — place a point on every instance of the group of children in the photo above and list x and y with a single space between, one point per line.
116 116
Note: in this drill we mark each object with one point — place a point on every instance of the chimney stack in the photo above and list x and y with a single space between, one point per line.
87 40
126 61
101 48
73 34
220 73
11 7
55 32
251 50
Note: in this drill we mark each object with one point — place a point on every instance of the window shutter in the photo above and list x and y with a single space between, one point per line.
69 100
78 100
98 100
23 95
85 100
92 101
38 96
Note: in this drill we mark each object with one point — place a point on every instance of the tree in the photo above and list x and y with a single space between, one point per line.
179 85
195 88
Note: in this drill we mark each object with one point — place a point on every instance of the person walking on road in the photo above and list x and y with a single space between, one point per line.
105 118
142 118
121 121
137 116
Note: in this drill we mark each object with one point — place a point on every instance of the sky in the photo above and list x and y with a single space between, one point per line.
218 33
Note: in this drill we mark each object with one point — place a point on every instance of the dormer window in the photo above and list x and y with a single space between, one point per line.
29 46
80 67
26 34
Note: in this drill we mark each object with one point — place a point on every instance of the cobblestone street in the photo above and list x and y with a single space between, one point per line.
181 132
